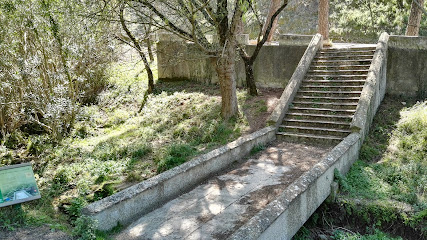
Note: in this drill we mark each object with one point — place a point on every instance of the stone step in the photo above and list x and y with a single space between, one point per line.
341 62
329 93
348 49
340 67
339 72
327 98
343 57
331 87
328 111
319 117
328 103
342 81
300 137
348 52
334 105
315 130
316 123
336 77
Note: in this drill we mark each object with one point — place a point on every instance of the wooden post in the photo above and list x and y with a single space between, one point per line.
324 20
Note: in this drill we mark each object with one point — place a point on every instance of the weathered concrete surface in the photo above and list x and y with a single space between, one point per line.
274 66
373 91
407 66
300 17
293 39
283 217
291 89
125 206
217 208
406 63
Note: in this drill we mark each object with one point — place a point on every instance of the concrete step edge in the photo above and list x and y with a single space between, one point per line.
323 109
317 129
336 81
357 51
333 92
343 76
309 136
340 61
320 115
330 86
338 71
327 103
343 66
355 56
316 121
327 97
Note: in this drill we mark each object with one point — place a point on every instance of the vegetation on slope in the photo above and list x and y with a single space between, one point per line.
114 145
357 20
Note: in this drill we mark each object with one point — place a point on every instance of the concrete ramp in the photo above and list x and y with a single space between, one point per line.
224 203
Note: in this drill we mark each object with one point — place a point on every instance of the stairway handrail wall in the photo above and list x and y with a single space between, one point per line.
374 89
291 89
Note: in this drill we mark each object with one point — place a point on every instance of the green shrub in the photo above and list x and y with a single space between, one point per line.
12 217
85 228
342 181
74 210
175 155
376 235
256 149
106 190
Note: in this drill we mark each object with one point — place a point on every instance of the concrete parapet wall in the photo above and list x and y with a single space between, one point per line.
294 39
123 207
284 216
274 66
406 63
374 89
407 66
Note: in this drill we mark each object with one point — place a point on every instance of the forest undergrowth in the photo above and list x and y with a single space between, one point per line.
115 143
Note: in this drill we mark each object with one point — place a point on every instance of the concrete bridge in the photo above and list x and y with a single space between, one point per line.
330 98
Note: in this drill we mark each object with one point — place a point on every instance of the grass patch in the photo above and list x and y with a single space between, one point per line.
397 171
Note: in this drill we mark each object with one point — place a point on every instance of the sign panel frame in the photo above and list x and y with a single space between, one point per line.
20 178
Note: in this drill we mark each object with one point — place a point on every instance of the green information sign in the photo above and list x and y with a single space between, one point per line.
17 184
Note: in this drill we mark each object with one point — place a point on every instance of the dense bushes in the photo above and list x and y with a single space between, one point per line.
361 20
52 59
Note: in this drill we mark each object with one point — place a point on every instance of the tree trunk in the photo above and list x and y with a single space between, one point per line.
227 82
149 48
250 78
413 28
137 46
324 19
274 6
149 72
249 71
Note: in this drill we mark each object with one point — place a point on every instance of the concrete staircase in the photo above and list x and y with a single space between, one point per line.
327 99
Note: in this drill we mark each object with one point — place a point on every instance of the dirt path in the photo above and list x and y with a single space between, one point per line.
34 233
